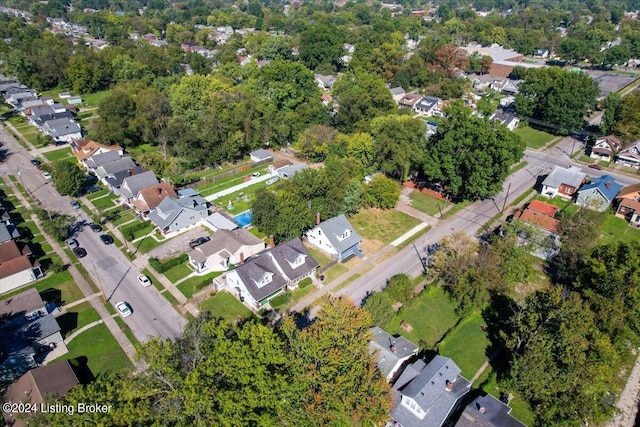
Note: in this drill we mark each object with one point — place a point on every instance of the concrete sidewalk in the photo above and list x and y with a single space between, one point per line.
84 286
81 330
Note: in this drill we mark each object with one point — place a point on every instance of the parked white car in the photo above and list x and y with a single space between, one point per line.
144 280
124 309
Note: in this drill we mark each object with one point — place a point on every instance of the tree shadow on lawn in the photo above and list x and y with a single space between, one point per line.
82 370
67 322
496 317
52 295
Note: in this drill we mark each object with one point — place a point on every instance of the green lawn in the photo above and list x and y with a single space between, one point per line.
230 181
178 272
426 203
225 306
138 233
616 229
335 271
196 283
77 317
63 153
241 200
104 202
57 287
148 243
532 137
322 258
123 216
431 315
93 99
382 225
467 345
98 194
101 350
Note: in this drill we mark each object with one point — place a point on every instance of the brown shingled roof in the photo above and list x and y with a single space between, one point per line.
150 197
12 260
8 251
50 380
629 189
24 302
85 148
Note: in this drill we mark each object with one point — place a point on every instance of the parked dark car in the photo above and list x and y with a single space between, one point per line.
106 239
59 142
35 162
199 241
74 204
596 167
93 189
95 227
80 252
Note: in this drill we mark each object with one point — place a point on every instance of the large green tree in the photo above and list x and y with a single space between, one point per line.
559 98
68 178
471 156
321 44
399 142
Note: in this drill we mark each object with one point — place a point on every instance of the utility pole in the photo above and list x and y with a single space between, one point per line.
423 260
506 198
99 282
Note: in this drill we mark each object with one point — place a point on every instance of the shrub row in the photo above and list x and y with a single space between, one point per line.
281 299
129 232
161 267
305 282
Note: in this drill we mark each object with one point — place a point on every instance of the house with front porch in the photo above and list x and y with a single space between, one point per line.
563 182
85 148
226 247
336 237
176 215
271 273
628 204
605 148
630 156
17 266
599 193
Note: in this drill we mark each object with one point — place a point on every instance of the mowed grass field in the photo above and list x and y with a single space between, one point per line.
532 137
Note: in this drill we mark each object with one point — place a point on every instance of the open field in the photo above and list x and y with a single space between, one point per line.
382 225
467 345
196 283
533 138
61 154
225 306
427 204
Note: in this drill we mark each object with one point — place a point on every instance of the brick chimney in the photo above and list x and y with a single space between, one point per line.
272 242
482 410
317 218
608 185
131 171
159 190
448 386
241 257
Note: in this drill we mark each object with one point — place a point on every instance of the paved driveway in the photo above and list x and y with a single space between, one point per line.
178 244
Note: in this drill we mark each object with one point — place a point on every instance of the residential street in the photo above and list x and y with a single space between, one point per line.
107 265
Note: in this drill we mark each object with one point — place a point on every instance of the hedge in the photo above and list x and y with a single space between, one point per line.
305 282
161 267
129 232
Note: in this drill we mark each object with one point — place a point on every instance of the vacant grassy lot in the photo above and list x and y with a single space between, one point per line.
196 283
616 229
467 345
61 154
322 258
532 137
426 203
104 202
382 225
225 306
178 272
93 99
431 315
335 271
101 350
230 181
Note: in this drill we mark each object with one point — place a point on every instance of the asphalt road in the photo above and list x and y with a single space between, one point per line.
473 217
107 265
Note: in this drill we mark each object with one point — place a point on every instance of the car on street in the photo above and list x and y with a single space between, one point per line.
46 175
106 239
596 167
35 162
255 175
72 243
199 241
80 252
59 142
74 204
144 280
95 227
124 309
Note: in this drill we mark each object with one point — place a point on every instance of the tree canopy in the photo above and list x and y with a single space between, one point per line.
470 155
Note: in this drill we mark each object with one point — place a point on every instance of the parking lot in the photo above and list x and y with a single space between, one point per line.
609 81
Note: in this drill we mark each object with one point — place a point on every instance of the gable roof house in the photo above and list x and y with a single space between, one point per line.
605 148
428 106
260 155
149 198
630 156
563 182
506 86
225 248
541 215
85 148
132 185
175 215
487 411
397 93
100 158
335 237
391 351
8 231
125 163
507 119
409 100
599 193
325 82
64 129
628 202
51 381
17 266
271 272
115 179
22 307
425 395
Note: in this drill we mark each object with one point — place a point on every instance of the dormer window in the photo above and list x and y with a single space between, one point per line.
297 262
265 280
344 235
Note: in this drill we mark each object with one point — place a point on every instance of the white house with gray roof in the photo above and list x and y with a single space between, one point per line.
64 129
100 158
225 248
176 215
132 185
391 351
111 167
425 394
336 237
271 272
563 182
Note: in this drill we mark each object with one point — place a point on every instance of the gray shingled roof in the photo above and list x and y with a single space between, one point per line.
20 304
115 179
276 261
494 414
61 127
224 239
572 176
381 342
8 232
41 120
169 209
428 390
335 227
132 185
427 103
120 164
102 158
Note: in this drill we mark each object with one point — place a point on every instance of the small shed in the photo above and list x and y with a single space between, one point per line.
261 155
74 100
